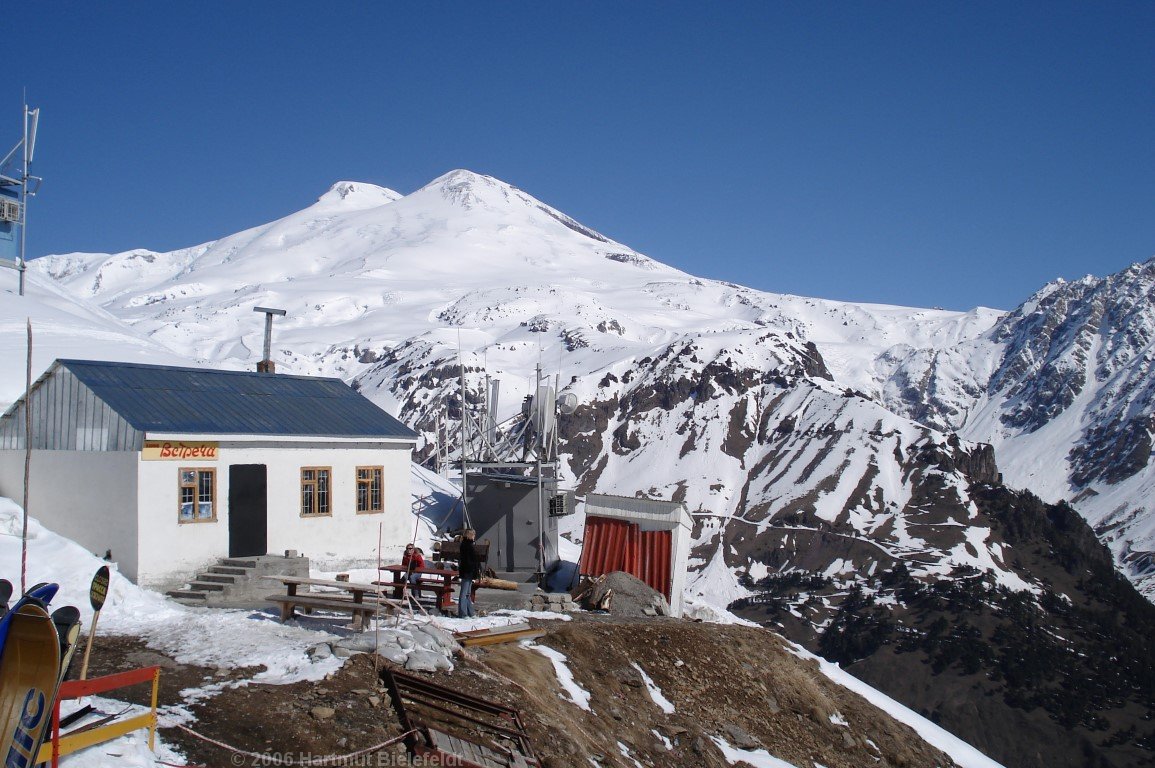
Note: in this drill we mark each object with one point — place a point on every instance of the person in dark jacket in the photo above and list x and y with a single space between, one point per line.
469 567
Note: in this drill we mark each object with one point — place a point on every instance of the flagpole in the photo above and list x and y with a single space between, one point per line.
27 459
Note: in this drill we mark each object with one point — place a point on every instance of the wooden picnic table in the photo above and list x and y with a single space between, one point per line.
439 580
360 600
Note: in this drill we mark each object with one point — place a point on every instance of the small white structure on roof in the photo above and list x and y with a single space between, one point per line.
171 468
643 537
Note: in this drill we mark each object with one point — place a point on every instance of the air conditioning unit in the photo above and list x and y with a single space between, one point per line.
557 506
9 210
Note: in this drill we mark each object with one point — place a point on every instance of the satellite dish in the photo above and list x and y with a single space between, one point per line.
567 403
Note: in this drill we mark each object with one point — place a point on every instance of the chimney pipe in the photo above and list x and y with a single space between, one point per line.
266 365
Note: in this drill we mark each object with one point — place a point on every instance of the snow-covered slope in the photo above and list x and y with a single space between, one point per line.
62 327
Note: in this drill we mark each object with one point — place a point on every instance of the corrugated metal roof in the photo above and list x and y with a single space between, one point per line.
646 511
158 398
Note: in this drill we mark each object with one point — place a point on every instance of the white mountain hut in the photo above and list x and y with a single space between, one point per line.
170 468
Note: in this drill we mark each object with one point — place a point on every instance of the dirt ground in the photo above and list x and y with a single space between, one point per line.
729 682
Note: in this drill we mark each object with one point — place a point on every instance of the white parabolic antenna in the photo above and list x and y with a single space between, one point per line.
567 403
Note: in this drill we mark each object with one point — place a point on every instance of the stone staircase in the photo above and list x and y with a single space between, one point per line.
238 582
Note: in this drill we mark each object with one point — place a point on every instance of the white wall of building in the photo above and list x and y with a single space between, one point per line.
680 536
171 551
345 534
87 496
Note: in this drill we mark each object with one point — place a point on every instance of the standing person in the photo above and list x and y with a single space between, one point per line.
469 567
413 561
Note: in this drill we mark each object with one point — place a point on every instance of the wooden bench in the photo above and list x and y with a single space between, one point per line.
310 601
358 600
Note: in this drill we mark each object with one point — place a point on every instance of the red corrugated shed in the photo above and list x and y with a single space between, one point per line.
619 545
609 545
655 560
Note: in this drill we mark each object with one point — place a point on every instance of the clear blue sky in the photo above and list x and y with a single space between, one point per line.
920 153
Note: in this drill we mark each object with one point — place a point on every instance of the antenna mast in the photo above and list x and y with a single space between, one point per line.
464 438
13 203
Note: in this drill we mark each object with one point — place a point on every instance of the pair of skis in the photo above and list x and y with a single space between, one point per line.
35 650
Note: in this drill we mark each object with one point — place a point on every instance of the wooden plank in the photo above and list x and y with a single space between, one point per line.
313 601
494 635
78 741
340 586
490 583
477 754
72 689
507 637
342 600
492 630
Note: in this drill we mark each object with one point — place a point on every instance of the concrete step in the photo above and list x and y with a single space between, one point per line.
229 570
235 582
206 586
222 578
238 562
188 594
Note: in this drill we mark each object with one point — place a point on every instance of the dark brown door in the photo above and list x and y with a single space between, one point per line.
248 510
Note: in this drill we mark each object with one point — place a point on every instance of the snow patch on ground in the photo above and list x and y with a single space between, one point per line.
655 692
759 758
578 695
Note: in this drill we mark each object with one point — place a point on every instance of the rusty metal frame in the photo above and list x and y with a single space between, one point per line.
432 710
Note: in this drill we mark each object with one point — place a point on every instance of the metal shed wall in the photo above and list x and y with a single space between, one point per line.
619 545
503 510
68 416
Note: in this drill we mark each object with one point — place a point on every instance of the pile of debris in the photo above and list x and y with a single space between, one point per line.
621 594
552 602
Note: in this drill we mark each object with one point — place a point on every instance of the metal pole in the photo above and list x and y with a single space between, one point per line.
464 438
540 525
27 461
541 438
266 364
268 336
20 266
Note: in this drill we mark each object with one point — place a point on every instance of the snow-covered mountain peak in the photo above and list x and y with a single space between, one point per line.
476 193
355 195
467 189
